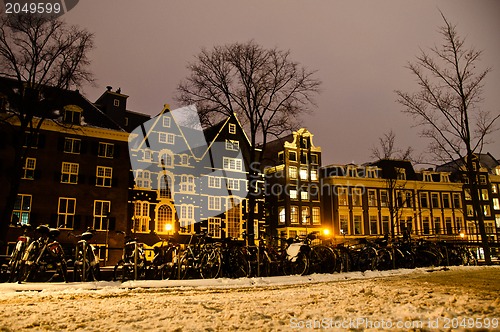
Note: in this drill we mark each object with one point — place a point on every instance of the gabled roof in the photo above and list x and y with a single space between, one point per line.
486 160
55 99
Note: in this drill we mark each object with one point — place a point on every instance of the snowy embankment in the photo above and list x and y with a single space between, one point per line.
462 297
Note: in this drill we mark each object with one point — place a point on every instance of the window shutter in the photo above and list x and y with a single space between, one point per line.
41 141
60 143
57 176
53 221
114 182
77 222
116 152
38 174
94 148
83 147
112 223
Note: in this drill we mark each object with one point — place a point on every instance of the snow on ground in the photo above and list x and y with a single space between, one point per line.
460 298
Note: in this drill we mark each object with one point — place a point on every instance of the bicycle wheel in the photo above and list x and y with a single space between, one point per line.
322 260
210 264
425 258
297 266
186 266
118 271
236 265
367 259
384 260
344 262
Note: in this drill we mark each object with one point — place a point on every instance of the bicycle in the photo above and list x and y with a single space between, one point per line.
165 261
23 242
43 260
133 264
87 264
200 259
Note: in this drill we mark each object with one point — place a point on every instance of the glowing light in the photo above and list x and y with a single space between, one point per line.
326 231
168 227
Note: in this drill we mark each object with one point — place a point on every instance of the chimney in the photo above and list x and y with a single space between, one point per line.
109 87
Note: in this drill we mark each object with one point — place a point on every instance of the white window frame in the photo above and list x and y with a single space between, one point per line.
106 150
69 173
29 169
166 121
104 176
232 145
72 145
100 216
66 218
214 203
232 164
233 184
214 182
214 227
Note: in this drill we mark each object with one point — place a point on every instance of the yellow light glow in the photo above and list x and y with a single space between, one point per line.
462 235
326 231
168 227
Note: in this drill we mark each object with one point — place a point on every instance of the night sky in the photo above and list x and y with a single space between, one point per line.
359 49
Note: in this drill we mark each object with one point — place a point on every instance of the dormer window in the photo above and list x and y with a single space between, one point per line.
427 177
351 171
445 178
72 116
401 173
116 102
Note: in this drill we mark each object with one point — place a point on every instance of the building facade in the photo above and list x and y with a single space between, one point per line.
187 179
293 194
75 173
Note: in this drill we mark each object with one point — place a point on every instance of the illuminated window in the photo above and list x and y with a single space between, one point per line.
214 227
316 218
356 196
358 224
164 219
281 214
292 172
22 210
232 128
294 214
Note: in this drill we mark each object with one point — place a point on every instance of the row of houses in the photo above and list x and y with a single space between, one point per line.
98 165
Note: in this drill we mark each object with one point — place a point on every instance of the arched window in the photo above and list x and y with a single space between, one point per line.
164 220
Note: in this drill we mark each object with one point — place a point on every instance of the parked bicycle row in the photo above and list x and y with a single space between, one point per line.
41 258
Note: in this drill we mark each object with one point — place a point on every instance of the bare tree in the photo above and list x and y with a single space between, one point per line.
447 106
37 53
387 149
263 87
